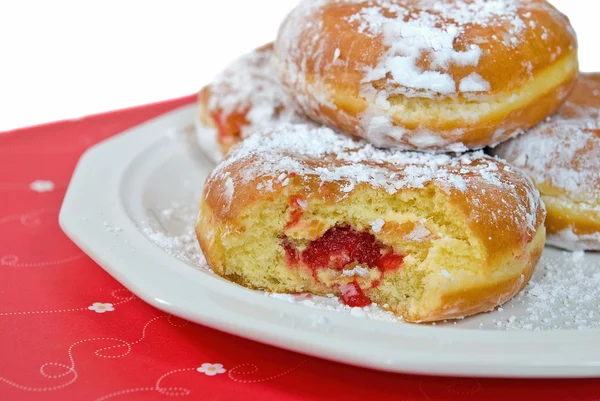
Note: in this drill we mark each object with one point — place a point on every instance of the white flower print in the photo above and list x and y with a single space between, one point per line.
210 369
42 186
100 307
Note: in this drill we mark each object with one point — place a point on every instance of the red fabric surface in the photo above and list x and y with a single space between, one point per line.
53 347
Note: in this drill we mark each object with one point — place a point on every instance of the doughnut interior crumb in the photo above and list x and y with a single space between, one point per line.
439 264
302 208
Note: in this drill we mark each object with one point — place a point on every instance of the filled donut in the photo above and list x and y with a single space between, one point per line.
302 208
562 156
435 75
245 97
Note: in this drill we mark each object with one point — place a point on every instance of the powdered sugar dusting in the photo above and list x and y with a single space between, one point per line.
294 147
565 294
474 83
562 152
172 230
229 191
413 29
562 156
434 49
250 86
306 150
356 271
381 131
419 233
426 29
377 225
567 239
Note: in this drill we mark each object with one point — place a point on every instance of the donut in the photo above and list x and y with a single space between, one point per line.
302 208
429 75
584 101
243 98
562 157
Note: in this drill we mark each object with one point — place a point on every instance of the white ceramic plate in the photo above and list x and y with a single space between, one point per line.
121 185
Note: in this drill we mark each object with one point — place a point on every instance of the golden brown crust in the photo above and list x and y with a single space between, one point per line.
484 203
498 207
569 217
487 297
476 208
562 156
505 67
483 133
584 101
528 73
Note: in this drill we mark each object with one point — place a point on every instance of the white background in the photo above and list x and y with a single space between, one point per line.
66 59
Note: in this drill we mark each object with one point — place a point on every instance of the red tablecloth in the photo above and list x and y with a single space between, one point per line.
68 331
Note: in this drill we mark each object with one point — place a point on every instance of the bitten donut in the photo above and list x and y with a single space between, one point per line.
562 156
436 75
245 97
430 237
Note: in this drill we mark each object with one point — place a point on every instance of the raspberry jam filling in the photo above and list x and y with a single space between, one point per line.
353 295
291 254
296 205
341 247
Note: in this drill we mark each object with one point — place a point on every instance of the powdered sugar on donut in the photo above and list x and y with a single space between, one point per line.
381 131
229 191
474 83
432 29
567 239
398 57
307 150
412 30
419 233
562 152
250 86
377 225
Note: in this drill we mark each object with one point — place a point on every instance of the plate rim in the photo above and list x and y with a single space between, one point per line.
95 190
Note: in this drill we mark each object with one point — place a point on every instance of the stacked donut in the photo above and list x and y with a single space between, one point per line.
562 156
358 168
